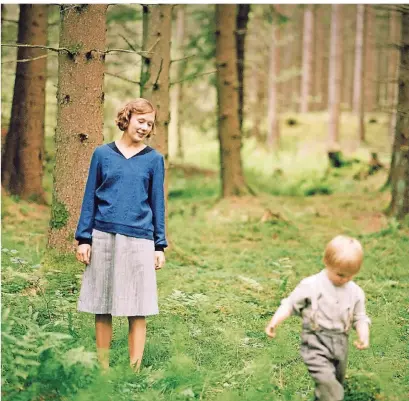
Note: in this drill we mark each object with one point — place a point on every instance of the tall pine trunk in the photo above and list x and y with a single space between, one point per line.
231 170
393 67
242 18
80 99
178 87
23 154
335 75
370 59
399 206
273 126
358 104
307 58
155 70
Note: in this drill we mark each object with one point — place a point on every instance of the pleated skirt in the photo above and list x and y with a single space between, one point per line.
121 278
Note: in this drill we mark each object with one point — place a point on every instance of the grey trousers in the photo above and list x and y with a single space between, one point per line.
325 355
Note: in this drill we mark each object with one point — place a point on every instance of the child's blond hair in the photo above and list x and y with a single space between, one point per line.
344 252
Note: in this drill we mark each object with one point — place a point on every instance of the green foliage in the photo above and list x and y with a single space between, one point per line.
362 386
122 13
59 215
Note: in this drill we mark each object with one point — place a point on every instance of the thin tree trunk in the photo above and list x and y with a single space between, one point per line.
318 57
80 99
359 71
157 30
393 68
399 206
307 58
370 60
335 75
241 31
298 43
273 127
178 87
349 14
231 170
22 165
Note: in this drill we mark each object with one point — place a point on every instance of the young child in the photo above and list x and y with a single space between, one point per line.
330 304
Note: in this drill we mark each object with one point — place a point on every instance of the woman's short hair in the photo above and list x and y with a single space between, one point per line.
137 106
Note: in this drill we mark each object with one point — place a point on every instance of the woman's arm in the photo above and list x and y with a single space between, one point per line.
157 203
86 221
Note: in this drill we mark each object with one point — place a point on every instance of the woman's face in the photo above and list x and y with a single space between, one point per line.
140 126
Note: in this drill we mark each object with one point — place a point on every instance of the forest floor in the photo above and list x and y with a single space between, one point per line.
231 263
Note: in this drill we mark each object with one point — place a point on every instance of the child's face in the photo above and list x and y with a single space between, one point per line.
339 276
140 126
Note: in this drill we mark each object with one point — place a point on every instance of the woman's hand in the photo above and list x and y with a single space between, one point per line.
159 260
84 253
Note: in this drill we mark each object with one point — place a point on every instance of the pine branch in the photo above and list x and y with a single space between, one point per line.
183 58
193 77
55 49
122 78
25 60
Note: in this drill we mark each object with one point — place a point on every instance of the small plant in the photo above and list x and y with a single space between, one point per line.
361 386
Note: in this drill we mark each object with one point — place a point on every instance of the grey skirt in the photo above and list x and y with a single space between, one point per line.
121 278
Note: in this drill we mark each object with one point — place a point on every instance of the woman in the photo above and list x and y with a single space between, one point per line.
121 231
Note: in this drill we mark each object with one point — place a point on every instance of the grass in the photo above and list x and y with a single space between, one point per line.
225 276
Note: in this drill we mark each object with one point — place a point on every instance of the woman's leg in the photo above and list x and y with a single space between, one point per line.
136 340
103 334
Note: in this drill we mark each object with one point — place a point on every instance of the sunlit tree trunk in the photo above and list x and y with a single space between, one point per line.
23 154
273 127
399 206
358 104
370 59
178 87
80 119
231 170
335 75
307 58
393 67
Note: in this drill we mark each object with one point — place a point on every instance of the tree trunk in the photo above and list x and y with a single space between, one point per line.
273 127
80 99
155 70
399 206
231 171
178 87
347 90
241 31
22 166
393 67
359 70
307 58
370 60
335 75
298 44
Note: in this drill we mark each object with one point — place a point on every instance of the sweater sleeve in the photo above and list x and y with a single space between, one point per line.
86 221
157 204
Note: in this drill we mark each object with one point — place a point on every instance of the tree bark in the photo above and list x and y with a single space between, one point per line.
155 70
399 206
370 60
178 87
335 75
23 154
231 171
307 58
393 67
273 127
80 100
359 71
242 18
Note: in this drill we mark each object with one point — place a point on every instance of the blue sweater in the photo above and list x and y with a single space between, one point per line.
124 196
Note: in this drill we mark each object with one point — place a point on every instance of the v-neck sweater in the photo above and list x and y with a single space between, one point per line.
124 196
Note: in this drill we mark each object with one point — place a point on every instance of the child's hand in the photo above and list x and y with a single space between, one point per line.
362 343
271 330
